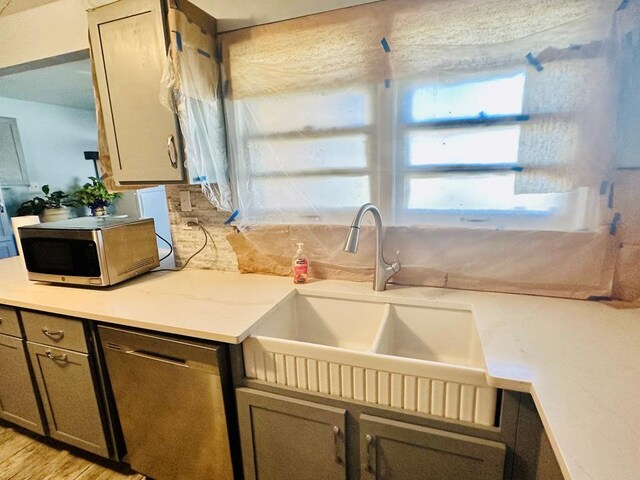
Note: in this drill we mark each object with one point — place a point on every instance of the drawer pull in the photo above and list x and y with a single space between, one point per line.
336 439
370 441
59 335
57 358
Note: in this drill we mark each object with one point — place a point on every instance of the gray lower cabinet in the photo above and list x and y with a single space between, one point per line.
392 450
68 394
287 438
18 401
533 455
284 438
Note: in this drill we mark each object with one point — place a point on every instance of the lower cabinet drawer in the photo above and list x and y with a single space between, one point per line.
9 324
60 332
68 393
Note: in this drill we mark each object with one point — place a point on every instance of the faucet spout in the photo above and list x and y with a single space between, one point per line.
383 270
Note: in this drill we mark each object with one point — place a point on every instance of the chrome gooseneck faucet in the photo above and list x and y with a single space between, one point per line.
384 271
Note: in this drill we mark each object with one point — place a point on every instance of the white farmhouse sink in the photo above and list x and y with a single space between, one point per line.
409 355
433 334
333 322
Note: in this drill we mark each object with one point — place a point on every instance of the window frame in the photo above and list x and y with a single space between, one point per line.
386 134
571 216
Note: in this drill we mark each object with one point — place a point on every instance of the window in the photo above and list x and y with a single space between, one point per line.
302 158
448 155
458 147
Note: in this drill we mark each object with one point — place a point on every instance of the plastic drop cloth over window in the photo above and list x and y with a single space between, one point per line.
192 77
330 111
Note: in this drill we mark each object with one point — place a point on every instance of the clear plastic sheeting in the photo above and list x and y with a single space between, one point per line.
452 117
191 75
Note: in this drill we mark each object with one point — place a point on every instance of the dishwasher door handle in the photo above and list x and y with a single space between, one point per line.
158 357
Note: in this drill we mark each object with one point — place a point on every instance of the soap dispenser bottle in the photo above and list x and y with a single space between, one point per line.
300 266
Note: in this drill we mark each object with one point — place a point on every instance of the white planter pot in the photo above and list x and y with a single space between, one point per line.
55 214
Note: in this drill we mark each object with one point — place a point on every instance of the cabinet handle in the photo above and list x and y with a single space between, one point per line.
336 440
172 152
59 335
58 358
370 440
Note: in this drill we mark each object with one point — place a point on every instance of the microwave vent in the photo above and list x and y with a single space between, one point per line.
137 266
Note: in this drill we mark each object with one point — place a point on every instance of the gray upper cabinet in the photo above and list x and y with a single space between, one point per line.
129 44
286 438
391 450
12 166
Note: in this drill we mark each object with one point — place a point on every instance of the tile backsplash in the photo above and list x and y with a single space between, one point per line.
187 240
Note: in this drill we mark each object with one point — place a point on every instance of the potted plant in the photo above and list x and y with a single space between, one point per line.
54 206
95 196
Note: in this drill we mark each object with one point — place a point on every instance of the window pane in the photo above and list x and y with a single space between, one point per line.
310 193
308 111
482 146
475 192
306 154
492 96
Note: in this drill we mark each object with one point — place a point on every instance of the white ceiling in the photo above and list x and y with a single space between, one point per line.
67 84
7 7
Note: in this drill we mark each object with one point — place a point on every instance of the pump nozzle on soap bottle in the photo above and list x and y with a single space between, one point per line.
300 265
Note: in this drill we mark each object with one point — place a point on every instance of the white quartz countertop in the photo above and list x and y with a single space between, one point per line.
579 360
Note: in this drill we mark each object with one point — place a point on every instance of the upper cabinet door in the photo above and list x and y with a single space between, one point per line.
129 45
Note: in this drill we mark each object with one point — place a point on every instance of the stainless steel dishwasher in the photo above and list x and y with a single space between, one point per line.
170 395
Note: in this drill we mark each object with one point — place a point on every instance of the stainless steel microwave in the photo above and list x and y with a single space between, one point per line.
94 251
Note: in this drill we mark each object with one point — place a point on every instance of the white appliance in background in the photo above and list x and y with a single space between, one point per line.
150 203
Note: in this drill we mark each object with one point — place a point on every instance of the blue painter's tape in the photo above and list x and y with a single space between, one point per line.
387 83
534 62
604 186
231 218
517 168
385 45
611 194
614 223
624 4
178 40
201 179
203 53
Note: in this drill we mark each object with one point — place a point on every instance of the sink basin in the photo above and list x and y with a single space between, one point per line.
417 356
348 324
433 334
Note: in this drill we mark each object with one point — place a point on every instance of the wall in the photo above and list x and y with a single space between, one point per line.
60 27
53 29
53 140
626 201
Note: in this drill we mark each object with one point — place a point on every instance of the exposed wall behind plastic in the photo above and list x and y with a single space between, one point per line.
267 250
222 257
218 255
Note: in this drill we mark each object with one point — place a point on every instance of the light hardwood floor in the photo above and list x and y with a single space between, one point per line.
22 457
